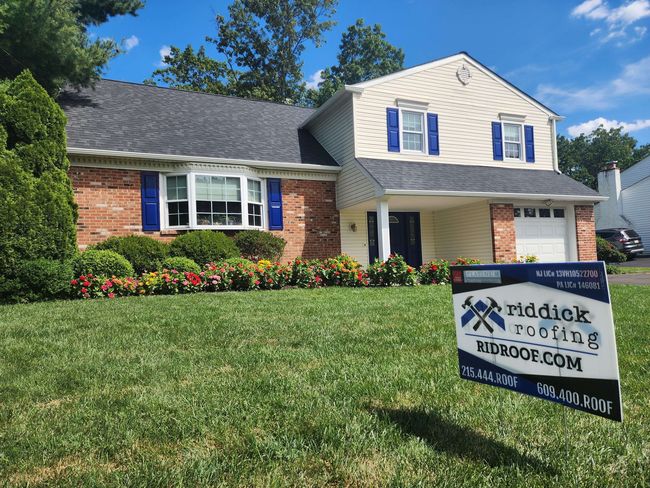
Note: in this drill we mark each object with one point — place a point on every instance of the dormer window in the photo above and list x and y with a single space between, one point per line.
512 141
413 130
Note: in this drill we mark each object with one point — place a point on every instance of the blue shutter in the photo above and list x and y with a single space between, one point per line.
529 138
434 141
392 125
275 203
497 141
150 200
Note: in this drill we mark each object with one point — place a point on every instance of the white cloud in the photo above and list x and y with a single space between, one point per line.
164 51
617 20
591 125
130 42
315 79
632 81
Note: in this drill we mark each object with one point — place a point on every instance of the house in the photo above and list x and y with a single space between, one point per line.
628 204
440 160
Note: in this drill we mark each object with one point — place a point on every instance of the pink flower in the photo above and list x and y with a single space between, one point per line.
257 282
111 295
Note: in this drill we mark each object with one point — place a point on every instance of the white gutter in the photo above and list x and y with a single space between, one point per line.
556 159
201 159
486 194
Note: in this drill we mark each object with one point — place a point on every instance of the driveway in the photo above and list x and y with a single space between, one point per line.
630 279
637 263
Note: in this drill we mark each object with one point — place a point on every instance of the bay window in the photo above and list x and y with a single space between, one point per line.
213 201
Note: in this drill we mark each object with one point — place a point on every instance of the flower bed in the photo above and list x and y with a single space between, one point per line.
243 275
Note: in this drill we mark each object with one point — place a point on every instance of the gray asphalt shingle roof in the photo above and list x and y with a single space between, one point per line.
123 116
407 175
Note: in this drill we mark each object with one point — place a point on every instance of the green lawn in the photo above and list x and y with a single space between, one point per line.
354 387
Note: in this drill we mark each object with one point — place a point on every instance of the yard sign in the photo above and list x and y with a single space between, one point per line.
545 330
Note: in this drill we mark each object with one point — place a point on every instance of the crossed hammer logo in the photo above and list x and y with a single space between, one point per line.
484 314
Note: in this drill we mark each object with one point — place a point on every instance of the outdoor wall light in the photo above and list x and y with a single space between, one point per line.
353 227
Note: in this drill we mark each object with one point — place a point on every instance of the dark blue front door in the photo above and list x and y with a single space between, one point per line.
404 236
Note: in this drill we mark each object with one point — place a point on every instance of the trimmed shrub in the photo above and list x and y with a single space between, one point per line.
392 272
204 246
256 245
43 279
37 210
143 252
102 263
613 269
608 253
181 265
435 272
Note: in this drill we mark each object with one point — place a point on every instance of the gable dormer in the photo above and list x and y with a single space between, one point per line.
453 110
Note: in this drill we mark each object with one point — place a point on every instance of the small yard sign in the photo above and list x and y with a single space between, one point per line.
541 329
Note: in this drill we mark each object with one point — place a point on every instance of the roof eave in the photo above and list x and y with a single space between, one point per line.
491 195
77 151
331 101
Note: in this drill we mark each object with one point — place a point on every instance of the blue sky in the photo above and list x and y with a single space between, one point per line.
588 60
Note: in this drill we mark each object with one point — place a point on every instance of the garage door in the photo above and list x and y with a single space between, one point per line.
541 232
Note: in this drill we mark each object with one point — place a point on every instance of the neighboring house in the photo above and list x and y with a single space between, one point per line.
441 160
628 204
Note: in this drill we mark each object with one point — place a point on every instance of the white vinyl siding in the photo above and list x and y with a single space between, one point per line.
334 130
465 114
636 208
464 231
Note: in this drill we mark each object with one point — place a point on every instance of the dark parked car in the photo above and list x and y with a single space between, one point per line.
625 240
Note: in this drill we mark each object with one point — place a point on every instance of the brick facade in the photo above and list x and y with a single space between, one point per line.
585 232
109 204
504 243
311 220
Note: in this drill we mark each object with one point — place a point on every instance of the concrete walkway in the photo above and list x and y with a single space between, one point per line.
630 279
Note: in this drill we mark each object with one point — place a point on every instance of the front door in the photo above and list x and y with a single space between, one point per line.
404 236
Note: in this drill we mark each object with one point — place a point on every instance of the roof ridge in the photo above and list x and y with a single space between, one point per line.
259 100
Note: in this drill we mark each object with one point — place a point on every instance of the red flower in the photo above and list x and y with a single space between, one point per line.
257 282
84 290
86 283
74 282
111 295
82 278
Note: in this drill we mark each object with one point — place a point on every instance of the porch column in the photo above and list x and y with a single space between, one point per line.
383 230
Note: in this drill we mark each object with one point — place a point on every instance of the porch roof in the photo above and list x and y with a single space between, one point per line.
416 178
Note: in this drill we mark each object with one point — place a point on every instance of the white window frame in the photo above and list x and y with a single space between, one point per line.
520 126
191 201
423 114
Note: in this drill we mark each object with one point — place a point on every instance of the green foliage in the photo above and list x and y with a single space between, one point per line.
180 264
95 12
43 279
393 272
608 253
256 245
102 263
583 157
143 252
204 246
37 211
261 44
50 39
192 71
435 272
613 269
364 54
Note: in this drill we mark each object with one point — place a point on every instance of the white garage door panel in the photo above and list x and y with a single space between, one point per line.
544 237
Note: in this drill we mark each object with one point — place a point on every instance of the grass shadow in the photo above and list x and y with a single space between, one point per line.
446 436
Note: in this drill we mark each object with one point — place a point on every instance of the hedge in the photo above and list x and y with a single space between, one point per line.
143 252
204 246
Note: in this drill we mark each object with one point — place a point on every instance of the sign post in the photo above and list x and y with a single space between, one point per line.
544 330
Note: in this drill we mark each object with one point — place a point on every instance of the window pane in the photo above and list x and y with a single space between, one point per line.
412 142
218 200
517 212
412 121
511 133
558 213
512 150
530 212
178 213
255 191
176 188
545 212
254 214
202 187
234 207
233 189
